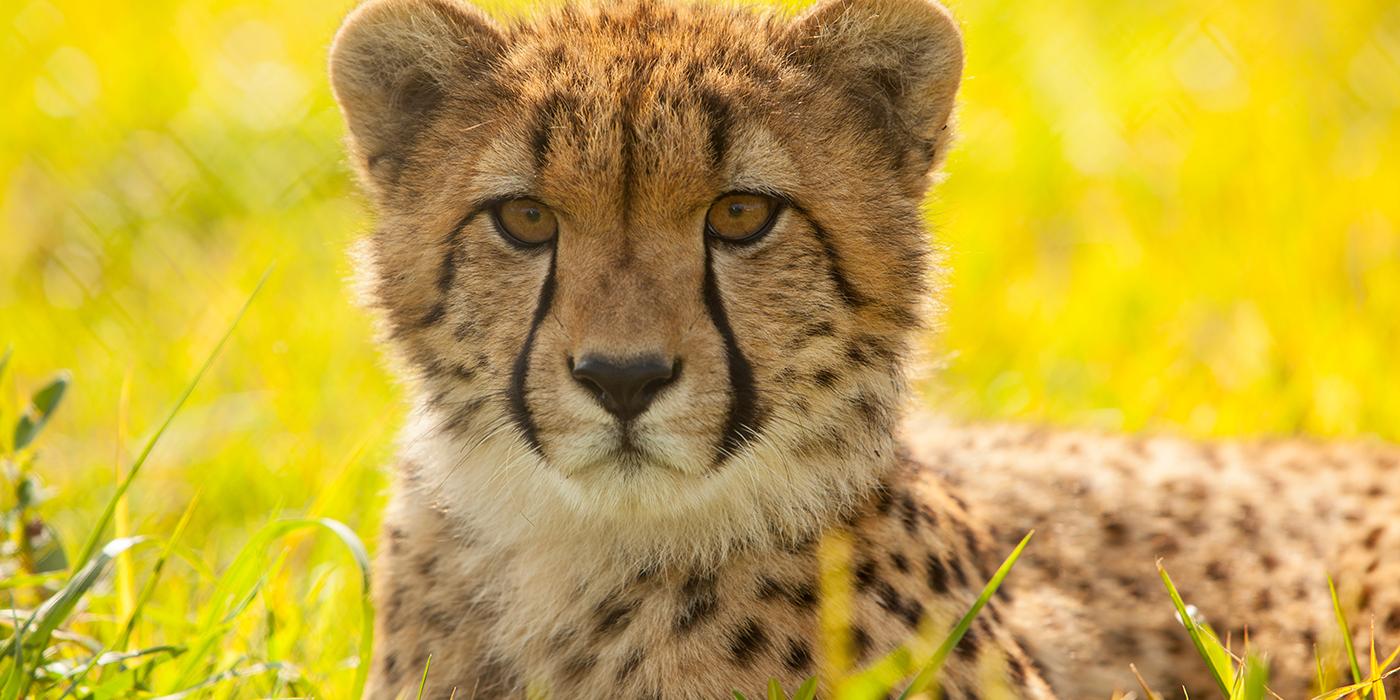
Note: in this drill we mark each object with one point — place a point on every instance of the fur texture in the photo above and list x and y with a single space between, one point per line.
534 540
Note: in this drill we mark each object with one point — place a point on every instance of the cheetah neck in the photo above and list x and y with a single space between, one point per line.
510 500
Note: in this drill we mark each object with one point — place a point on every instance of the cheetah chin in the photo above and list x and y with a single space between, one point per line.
652 272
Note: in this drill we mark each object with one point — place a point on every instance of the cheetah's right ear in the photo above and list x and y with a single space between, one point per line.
394 61
900 60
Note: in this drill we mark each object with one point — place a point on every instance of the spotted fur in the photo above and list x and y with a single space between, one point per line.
535 541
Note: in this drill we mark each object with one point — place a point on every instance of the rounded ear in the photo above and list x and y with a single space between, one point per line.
901 61
392 64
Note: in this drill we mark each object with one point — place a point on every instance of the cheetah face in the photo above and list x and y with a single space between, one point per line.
639 250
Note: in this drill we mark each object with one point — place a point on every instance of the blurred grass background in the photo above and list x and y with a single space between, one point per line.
1181 215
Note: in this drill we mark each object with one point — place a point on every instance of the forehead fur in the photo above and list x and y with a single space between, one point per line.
639 106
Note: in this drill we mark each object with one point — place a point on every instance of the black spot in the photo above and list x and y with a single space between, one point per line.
1373 537
820 329
393 613
447 269
912 613
866 574
860 642
856 355
798 657
434 316
803 595
1115 532
899 562
698 602
825 378
937 574
1019 673
887 597
427 564
1217 571
883 499
747 642
908 513
800 595
868 409
969 644
960 573
613 616
438 618
391 666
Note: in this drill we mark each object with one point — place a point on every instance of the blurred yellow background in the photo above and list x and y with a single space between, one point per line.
1179 215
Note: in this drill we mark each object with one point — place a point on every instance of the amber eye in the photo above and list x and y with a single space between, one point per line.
526 221
741 216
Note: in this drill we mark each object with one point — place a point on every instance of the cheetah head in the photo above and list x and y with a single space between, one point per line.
648 264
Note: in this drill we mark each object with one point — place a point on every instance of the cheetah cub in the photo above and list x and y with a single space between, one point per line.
652 271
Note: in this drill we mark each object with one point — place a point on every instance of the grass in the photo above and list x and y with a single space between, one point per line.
1170 216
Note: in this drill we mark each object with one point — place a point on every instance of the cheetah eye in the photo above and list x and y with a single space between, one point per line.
525 221
740 217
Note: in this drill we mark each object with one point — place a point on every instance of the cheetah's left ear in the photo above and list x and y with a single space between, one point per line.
901 60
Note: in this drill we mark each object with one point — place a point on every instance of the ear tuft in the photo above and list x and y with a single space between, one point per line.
393 62
901 60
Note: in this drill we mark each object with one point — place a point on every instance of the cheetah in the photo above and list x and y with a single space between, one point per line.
653 273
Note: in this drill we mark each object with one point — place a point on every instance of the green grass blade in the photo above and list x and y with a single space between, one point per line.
775 691
110 658
61 604
14 678
1194 631
1255 685
806 691
29 580
240 583
423 682
41 408
930 670
1346 632
148 589
95 536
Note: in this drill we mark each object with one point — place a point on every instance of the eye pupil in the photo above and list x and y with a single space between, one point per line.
736 210
533 215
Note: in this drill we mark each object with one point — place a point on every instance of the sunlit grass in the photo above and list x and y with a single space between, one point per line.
1176 215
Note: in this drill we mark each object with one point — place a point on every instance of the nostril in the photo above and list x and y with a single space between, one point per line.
625 388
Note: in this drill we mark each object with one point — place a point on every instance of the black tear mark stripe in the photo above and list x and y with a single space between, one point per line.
834 268
743 419
519 409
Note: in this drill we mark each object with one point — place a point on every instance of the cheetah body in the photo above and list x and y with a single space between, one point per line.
538 540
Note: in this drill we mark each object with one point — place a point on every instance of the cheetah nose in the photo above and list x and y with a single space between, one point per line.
624 387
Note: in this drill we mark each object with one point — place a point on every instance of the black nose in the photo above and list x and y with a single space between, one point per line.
624 387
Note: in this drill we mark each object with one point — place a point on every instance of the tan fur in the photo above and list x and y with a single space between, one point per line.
525 545
1248 530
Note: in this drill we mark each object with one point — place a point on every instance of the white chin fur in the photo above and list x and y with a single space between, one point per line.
504 493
